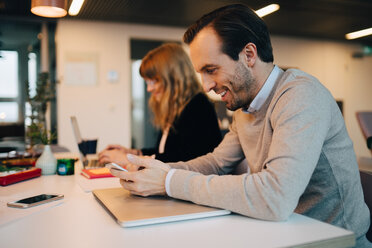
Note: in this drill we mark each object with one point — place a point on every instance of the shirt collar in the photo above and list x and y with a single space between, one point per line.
264 92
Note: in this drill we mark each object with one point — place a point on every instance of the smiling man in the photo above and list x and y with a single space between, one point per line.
286 124
238 82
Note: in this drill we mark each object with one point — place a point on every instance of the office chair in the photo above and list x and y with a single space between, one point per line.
365 122
366 180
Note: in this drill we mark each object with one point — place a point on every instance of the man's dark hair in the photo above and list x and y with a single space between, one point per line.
236 25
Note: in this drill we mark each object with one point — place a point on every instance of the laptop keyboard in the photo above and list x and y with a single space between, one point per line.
93 164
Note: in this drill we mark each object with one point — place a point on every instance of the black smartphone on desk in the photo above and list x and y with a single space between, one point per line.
34 201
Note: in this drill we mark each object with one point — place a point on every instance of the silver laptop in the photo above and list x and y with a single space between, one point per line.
87 163
130 210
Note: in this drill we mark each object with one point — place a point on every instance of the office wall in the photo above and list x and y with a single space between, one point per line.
103 110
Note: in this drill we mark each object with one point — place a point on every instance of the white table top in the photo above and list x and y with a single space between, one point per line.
80 221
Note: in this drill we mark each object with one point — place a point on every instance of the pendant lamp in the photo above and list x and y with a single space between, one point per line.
49 8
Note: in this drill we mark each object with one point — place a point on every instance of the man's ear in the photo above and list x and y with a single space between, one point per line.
249 53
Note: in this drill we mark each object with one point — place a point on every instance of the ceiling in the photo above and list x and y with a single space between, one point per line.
320 19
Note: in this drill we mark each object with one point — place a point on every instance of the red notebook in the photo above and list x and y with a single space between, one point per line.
96 173
20 176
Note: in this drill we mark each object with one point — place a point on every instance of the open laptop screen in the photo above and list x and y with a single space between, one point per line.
85 146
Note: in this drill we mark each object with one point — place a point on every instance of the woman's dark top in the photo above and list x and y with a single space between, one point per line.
194 133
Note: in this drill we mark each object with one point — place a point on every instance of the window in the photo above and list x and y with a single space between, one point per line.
9 93
32 77
19 65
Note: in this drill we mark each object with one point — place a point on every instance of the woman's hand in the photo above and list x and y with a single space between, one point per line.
115 156
122 149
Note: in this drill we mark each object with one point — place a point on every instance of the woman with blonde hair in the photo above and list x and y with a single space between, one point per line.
182 111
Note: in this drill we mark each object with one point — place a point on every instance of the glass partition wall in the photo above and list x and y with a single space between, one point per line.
143 133
20 45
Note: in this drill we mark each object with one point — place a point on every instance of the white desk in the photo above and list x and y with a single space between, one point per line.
80 221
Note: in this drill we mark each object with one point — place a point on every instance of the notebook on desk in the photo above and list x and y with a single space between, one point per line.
88 162
130 210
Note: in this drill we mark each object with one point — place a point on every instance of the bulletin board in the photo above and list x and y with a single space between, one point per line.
81 68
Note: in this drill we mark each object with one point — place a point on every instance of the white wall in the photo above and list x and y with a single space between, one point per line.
103 110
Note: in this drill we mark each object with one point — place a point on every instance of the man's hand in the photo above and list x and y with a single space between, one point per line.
148 181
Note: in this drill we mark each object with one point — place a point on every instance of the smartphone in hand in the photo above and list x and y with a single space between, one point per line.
115 166
34 201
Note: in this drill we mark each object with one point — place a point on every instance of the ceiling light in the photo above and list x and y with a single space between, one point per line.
267 10
358 34
75 7
49 8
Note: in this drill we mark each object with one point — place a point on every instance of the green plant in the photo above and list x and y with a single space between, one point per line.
38 134
39 102
36 131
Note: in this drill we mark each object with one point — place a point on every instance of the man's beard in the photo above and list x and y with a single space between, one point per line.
242 88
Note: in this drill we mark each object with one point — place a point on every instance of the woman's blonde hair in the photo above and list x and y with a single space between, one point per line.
170 66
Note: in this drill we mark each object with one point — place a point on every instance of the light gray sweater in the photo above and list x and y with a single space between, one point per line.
300 156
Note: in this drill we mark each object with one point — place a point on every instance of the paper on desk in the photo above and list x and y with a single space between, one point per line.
9 214
89 185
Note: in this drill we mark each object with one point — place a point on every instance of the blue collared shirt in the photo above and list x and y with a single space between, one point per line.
264 92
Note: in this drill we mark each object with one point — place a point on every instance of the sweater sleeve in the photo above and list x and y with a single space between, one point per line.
223 159
300 120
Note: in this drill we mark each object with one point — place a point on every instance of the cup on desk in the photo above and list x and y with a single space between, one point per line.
66 166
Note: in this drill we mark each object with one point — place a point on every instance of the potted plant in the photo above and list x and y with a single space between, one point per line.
36 128
37 132
40 135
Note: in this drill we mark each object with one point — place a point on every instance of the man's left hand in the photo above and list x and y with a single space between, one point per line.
148 181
